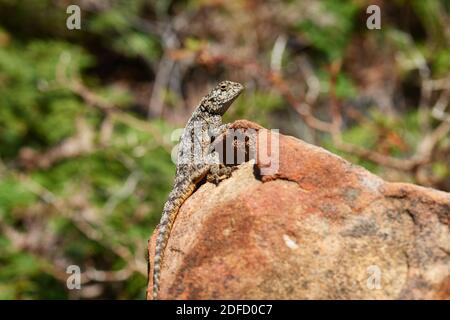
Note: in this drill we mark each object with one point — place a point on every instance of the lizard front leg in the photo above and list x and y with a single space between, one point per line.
219 172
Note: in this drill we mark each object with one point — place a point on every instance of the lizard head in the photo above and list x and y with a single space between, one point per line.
221 97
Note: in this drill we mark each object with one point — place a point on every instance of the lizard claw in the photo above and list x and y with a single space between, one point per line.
219 172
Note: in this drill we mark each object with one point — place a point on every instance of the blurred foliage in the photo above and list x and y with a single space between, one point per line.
89 208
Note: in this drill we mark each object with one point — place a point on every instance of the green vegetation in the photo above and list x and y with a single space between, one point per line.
87 116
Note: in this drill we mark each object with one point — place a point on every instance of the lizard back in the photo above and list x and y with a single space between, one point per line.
193 161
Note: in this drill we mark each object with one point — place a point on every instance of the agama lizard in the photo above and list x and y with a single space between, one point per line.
195 161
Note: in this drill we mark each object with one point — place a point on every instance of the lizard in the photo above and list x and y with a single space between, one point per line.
195 161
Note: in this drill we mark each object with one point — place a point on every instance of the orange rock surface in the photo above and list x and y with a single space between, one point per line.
319 228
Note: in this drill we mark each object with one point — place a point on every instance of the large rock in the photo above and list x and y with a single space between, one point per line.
320 228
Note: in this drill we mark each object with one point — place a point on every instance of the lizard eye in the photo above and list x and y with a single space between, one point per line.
223 86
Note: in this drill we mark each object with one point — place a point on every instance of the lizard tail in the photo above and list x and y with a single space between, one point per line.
173 204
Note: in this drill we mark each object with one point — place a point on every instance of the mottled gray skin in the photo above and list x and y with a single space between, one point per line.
195 161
